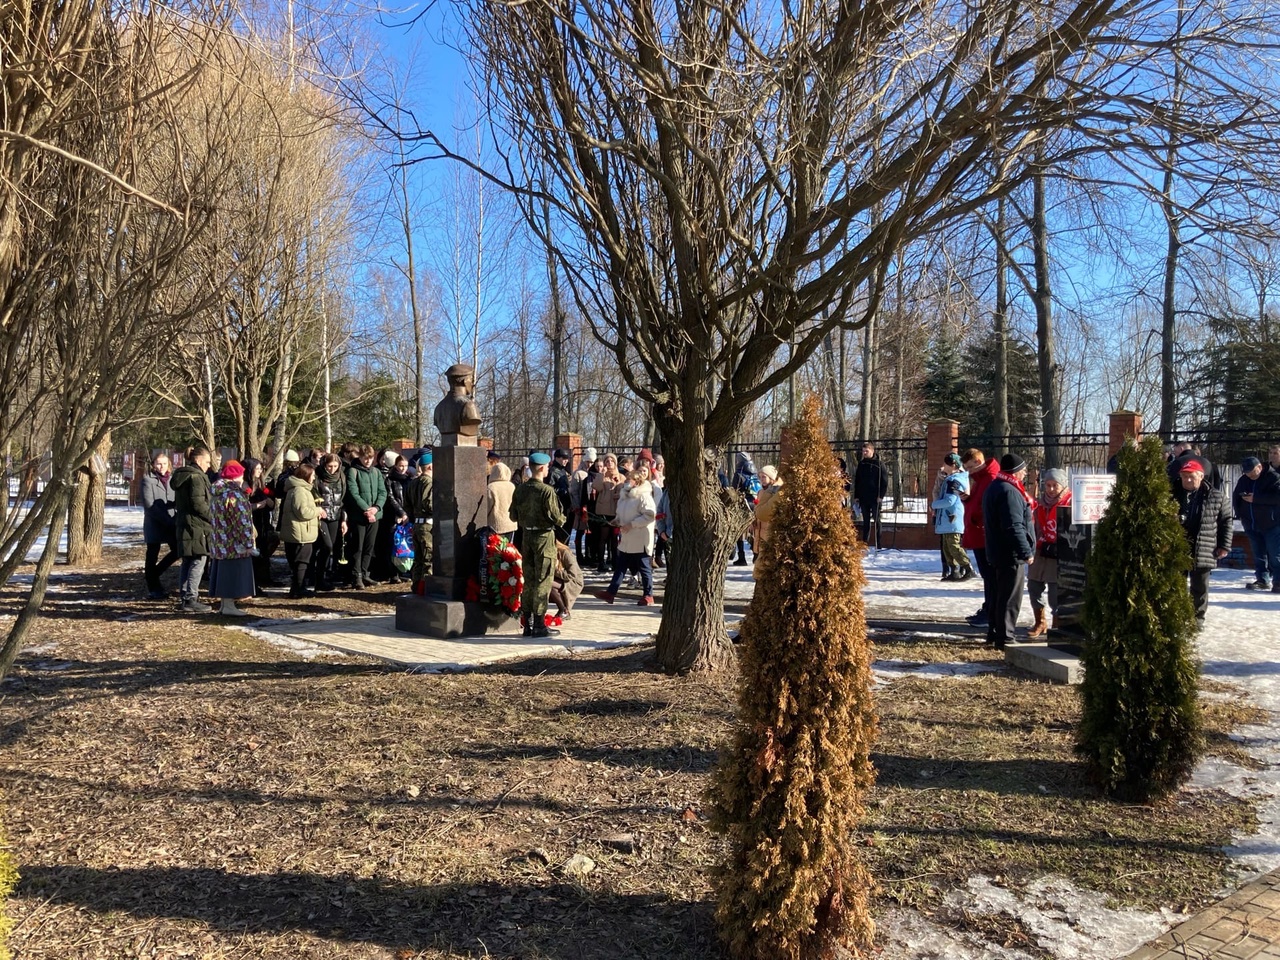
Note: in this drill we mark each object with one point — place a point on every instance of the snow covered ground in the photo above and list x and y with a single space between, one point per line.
122 527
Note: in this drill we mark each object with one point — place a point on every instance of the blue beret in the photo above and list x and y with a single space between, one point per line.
424 460
539 459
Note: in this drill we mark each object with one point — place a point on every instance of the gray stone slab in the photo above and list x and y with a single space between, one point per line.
1044 661
433 617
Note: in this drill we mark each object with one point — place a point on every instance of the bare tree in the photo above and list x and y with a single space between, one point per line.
714 167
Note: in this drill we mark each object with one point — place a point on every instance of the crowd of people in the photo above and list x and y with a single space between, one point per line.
354 517
983 506
348 518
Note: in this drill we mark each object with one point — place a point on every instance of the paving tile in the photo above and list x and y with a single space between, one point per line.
594 626
1243 949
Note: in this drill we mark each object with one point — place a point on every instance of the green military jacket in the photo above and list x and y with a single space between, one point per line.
417 498
536 508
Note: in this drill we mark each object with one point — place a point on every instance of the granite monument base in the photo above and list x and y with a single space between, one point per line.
446 619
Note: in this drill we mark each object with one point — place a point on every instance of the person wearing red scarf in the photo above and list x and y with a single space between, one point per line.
1011 543
1043 575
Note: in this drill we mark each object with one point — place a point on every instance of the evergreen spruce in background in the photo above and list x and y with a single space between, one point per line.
1140 729
790 790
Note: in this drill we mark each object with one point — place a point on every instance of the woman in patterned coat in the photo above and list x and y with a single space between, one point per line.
232 552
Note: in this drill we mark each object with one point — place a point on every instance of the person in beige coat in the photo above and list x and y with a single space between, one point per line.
498 499
567 581
766 507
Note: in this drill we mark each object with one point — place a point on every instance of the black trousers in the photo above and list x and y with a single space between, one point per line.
988 582
1200 590
870 514
299 557
328 547
155 566
362 538
1007 601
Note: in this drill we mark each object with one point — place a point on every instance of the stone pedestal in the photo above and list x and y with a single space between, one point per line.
435 617
457 501
458 506
1074 543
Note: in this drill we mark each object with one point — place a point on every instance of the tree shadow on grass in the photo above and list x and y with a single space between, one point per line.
1008 777
543 916
52 684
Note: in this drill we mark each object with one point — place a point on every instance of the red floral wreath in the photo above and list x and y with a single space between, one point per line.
501 574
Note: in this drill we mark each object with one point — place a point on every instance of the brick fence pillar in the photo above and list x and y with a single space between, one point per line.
571 442
941 437
1123 425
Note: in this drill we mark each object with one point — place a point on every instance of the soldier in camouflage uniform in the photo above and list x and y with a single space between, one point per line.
417 503
537 510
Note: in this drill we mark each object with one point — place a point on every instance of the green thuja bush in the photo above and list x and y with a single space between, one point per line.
790 789
1140 729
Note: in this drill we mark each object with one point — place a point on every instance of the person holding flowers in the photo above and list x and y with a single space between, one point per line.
537 510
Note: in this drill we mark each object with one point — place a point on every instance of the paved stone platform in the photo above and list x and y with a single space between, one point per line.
1243 926
594 625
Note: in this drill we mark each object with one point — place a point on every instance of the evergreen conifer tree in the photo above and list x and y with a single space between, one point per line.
1140 728
790 790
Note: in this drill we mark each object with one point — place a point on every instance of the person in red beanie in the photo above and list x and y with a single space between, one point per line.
231 576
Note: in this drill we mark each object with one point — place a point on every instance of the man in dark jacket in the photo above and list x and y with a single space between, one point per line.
194 516
747 482
1184 452
1011 543
1256 501
870 484
981 472
1206 518
558 478
159 528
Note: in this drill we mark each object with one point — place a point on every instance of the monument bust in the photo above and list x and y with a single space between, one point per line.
457 417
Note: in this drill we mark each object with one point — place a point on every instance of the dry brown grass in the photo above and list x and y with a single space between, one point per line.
179 789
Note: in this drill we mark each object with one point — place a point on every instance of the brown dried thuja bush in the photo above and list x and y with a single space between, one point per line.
790 790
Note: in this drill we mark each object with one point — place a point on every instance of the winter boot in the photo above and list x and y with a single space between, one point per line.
1039 627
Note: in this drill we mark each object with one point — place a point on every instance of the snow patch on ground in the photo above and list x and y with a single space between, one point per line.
889 670
300 648
1067 922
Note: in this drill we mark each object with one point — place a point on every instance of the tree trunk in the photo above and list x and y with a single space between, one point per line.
1050 415
77 507
1168 313
40 581
866 413
707 520
1000 325
86 516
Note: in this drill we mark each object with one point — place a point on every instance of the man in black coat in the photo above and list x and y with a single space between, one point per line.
193 515
1206 519
1256 501
1011 543
870 484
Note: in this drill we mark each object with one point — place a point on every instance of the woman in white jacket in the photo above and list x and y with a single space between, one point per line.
635 523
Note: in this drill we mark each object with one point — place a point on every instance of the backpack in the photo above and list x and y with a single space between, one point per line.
402 547
753 486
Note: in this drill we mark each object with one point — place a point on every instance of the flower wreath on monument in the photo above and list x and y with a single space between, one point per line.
501 575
